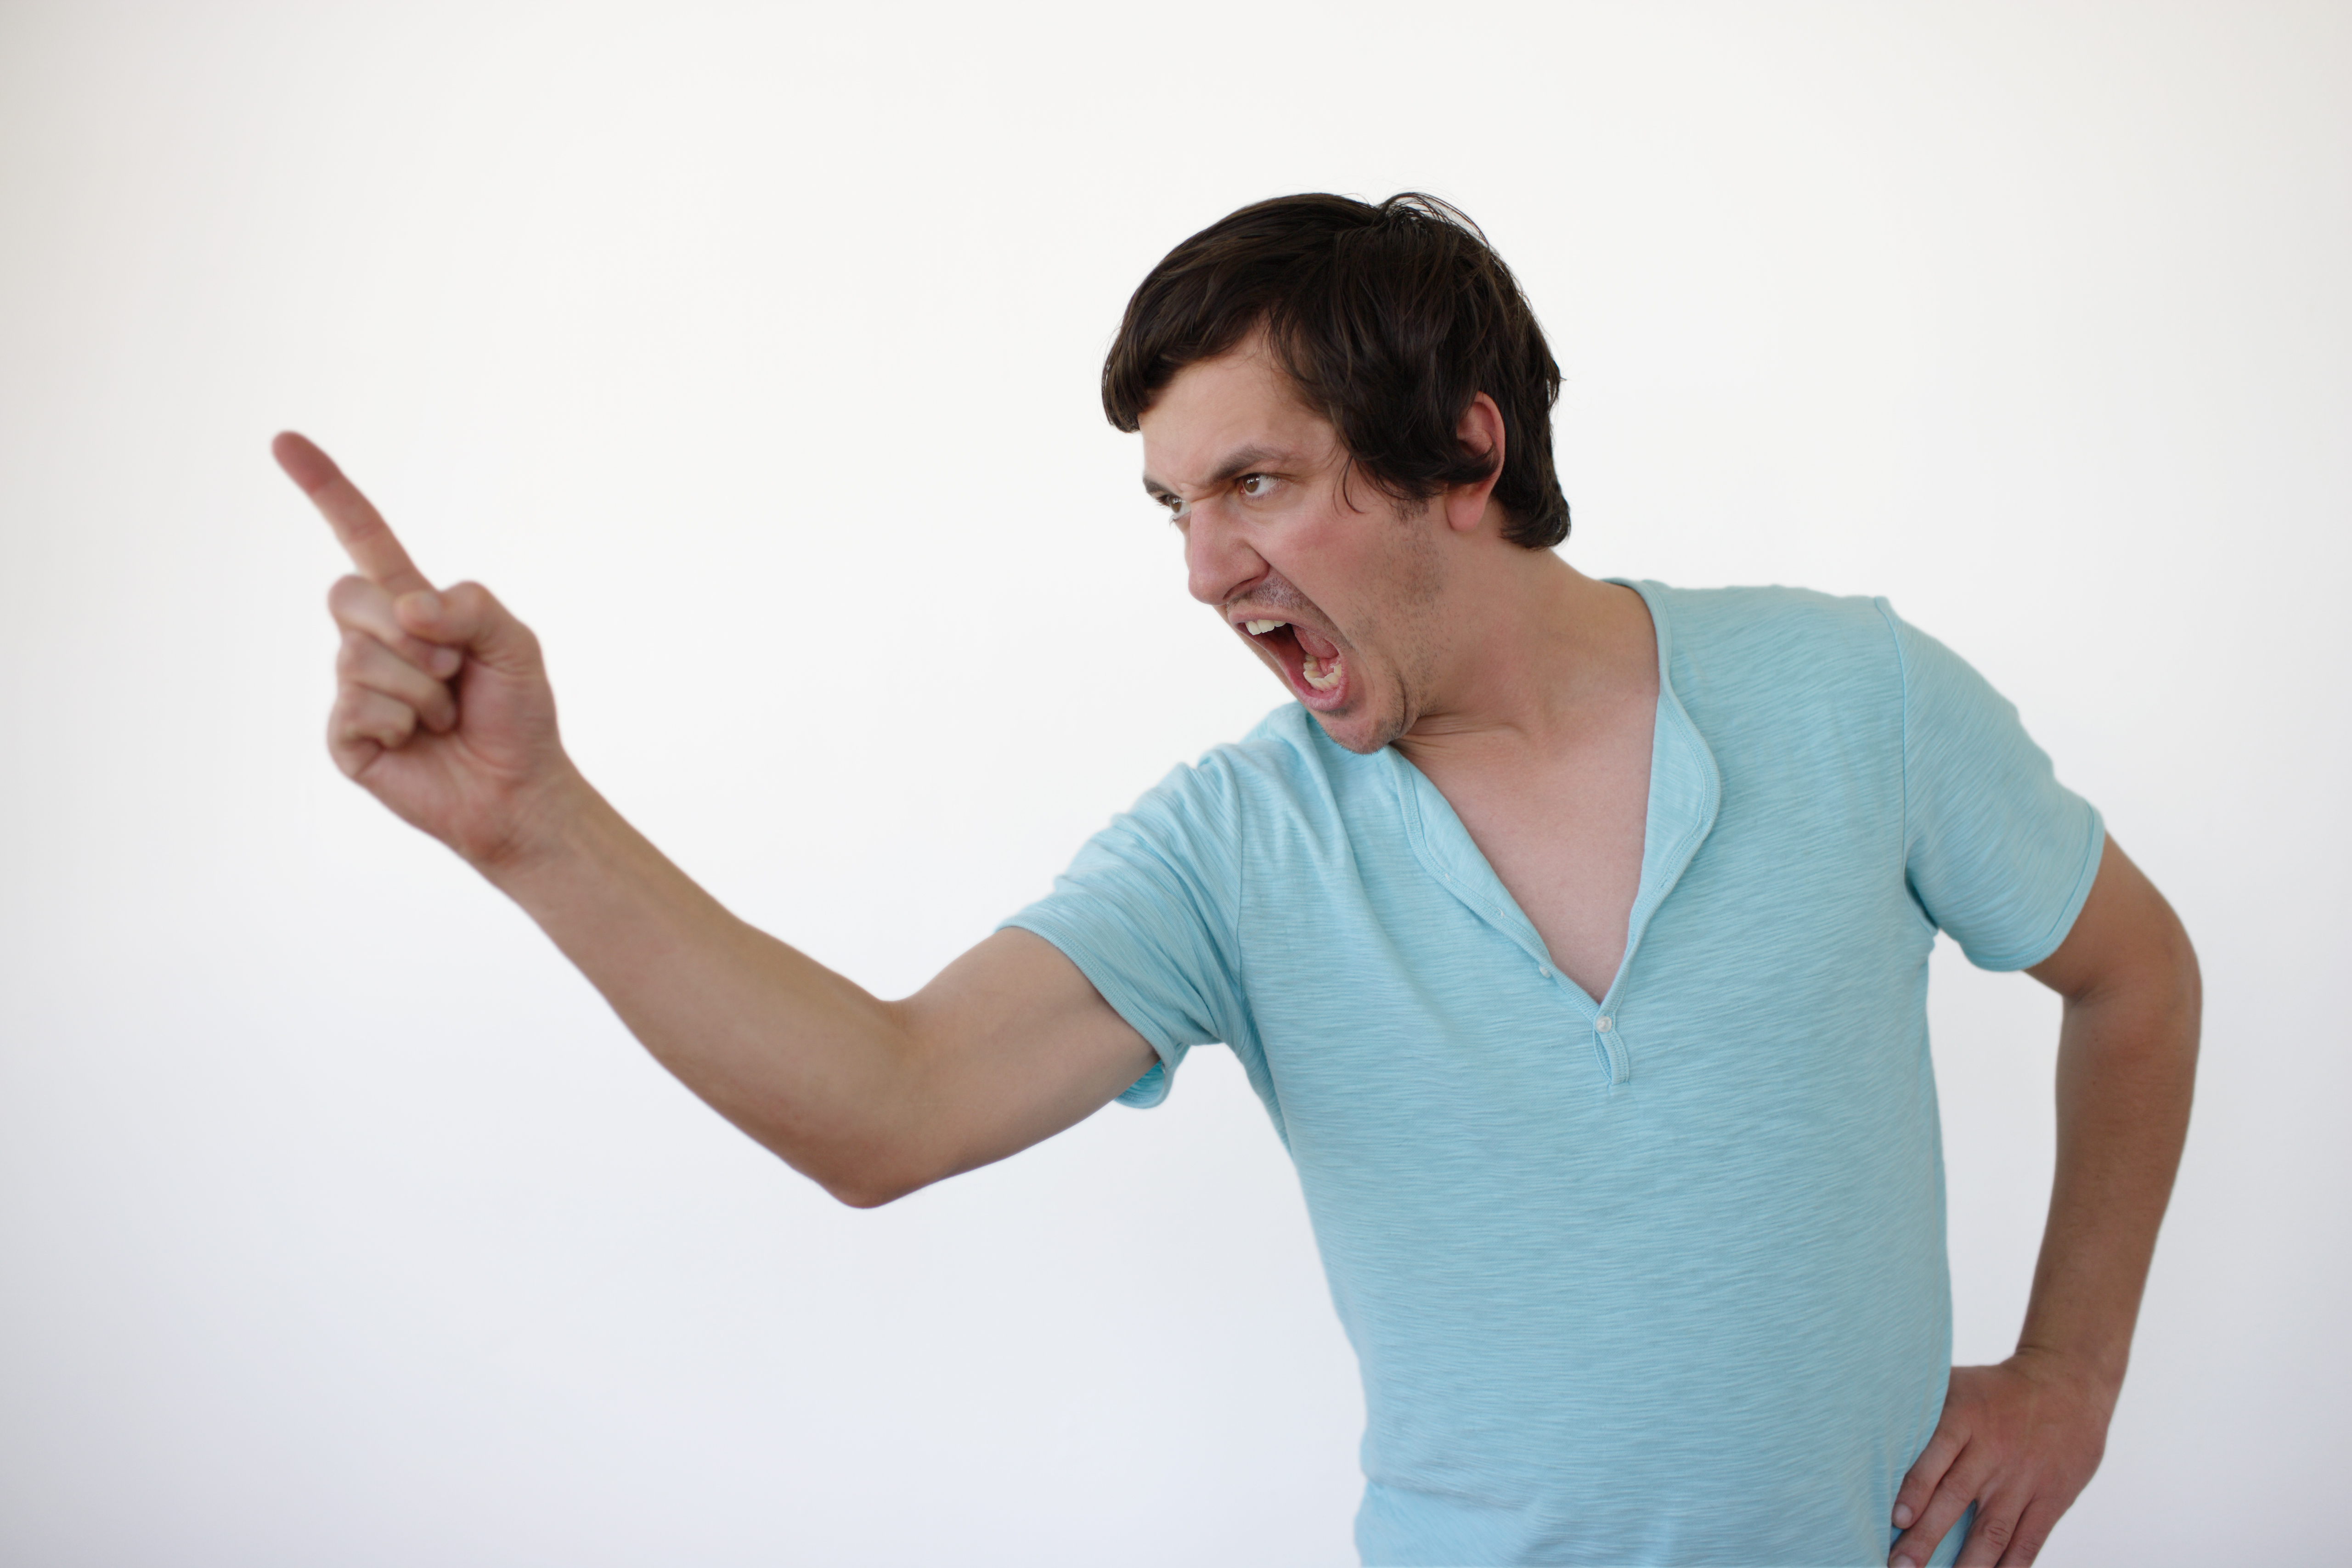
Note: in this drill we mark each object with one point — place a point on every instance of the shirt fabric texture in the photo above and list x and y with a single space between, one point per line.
1659 1278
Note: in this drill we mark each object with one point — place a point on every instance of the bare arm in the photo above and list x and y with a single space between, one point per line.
2021 1439
442 710
1008 1045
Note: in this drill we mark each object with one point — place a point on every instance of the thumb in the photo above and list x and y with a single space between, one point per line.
469 616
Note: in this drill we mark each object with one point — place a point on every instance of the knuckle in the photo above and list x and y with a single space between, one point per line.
364 715
479 603
346 594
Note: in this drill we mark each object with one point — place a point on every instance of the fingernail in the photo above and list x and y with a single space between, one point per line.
445 661
423 604
1903 1563
1903 1516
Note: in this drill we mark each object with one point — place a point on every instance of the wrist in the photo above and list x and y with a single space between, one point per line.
2094 1375
550 824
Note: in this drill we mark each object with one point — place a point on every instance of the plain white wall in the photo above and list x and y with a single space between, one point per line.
751 355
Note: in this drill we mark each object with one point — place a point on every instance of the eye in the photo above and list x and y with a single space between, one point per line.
1178 508
1256 487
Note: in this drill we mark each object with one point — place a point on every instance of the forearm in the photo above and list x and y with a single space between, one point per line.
809 1064
2021 1439
2127 1065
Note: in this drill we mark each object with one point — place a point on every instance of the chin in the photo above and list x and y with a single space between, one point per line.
1356 732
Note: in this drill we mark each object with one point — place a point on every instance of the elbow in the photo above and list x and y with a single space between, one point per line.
872 1140
860 1176
869 1182
869 1144
866 1195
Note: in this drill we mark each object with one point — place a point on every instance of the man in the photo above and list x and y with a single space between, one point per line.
1573 933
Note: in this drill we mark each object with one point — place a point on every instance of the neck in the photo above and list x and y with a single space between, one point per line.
1540 650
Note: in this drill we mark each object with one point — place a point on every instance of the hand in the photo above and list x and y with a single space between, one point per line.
442 705
2020 1440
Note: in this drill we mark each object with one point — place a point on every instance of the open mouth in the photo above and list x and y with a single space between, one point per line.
1310 661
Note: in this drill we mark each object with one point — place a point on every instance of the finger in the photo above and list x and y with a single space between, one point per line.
365 662
359 604
1919 1543
1926 1471
1990 1539
365 537
2033 1528
364 725
470 615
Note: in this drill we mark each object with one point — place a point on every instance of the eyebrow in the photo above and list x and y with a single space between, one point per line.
1247 461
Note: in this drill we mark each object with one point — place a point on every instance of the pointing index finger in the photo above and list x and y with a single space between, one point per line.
364 535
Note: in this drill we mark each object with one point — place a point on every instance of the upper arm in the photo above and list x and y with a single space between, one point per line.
2126 936
1130 960
2000 855
1008 1045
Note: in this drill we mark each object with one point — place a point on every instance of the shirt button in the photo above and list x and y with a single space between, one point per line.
1603 1024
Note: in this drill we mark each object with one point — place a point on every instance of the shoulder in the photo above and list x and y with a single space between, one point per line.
1283 777
1285 752
1278 757
1775 647
1772 620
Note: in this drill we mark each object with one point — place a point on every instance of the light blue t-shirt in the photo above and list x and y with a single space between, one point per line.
1659 1279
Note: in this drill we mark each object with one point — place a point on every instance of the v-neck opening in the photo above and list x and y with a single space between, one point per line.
1679 811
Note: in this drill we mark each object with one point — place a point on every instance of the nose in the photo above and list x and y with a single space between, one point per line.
1218 562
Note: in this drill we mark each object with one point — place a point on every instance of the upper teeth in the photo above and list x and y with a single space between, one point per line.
1259 629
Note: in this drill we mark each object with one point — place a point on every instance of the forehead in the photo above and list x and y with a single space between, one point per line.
1238 401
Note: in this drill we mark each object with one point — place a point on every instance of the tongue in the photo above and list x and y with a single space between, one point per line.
1317 647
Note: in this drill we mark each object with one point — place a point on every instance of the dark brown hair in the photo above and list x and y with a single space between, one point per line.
1389 319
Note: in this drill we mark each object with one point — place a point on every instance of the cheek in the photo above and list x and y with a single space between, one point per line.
1326 559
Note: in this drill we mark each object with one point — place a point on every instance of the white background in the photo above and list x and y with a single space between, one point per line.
753 356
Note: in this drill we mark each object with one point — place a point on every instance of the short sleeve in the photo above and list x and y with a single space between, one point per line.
1148 912
1997 852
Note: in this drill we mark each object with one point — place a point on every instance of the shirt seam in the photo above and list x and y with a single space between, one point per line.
1241 897
1903 689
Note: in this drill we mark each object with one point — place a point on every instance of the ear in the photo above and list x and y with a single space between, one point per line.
1481 431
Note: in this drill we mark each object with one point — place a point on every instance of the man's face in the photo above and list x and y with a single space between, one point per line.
1341 602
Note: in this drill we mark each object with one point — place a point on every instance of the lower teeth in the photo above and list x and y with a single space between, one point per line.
1320 677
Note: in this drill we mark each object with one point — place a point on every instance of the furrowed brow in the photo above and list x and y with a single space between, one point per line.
1246 460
